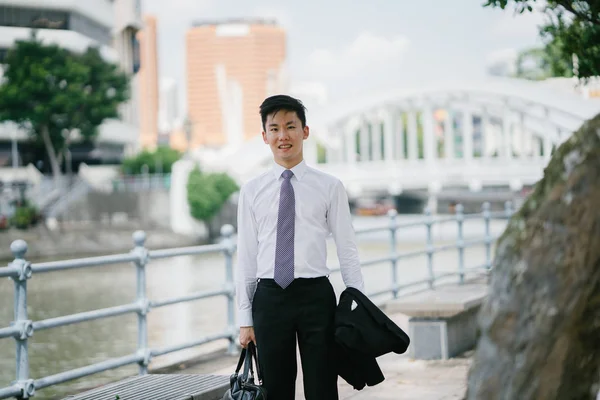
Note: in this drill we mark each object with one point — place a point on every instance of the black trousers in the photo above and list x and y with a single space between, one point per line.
304 310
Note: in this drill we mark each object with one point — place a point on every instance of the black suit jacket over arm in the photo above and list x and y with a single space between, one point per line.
363 333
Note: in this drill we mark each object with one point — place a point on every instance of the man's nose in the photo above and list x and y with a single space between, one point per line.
282 135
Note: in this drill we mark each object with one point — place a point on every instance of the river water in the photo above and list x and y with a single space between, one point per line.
66 292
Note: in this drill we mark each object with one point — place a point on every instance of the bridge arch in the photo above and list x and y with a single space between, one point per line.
498 131
516 106
474 134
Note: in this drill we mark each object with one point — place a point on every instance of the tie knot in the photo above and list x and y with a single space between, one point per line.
287 174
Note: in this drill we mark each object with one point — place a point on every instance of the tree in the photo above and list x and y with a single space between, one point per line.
57 95
223 184
203 197
572 32
106 87
542 62
160 160
206 195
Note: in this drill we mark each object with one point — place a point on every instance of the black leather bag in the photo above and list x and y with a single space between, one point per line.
242 387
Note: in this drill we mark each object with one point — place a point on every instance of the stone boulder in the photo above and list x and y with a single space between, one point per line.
540 325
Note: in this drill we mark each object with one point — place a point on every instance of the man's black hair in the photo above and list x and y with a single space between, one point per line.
280 102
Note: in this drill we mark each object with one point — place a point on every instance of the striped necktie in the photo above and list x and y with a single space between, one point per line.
284 247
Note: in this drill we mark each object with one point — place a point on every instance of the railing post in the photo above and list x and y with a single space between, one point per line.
428 224
21 320
392 214
488 237
139 238
228 250
460 244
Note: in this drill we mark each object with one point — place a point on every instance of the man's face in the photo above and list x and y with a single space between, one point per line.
284 134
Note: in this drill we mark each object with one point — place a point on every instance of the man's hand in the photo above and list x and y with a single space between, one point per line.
247 335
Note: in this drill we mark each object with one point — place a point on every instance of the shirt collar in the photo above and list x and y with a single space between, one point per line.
299 170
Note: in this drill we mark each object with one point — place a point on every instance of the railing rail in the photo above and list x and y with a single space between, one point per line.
141 183
20 270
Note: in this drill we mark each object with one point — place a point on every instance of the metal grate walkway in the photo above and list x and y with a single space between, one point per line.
161 387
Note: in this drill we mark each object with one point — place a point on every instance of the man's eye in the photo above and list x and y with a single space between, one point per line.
291 127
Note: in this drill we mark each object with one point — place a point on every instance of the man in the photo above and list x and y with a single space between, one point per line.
283 290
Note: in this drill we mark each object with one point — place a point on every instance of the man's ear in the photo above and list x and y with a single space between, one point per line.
264 135
306 132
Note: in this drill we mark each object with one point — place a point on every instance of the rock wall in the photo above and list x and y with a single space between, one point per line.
540 326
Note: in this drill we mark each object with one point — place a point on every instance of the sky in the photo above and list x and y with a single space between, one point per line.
351 47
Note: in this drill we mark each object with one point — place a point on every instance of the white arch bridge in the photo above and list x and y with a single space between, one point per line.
493 133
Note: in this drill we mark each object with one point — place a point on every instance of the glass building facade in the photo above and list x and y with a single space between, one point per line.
25 17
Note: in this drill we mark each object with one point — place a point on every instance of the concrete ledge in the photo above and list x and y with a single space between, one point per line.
443 321
440 302
85 241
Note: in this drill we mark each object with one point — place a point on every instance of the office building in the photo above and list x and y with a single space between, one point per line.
148 84
110 25
231 67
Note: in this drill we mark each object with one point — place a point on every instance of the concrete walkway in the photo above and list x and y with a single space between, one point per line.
409 379
404 378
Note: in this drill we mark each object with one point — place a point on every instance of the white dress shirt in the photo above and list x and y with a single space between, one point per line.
321 208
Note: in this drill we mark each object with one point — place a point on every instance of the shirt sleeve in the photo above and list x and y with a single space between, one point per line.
340 225
247 244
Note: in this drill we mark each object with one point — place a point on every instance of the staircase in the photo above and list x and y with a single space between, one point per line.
48 191
75 191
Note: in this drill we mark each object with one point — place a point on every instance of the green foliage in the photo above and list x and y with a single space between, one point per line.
321 153
207 193
106 87
160 160
24 217
54 93
542 63
572 30
223 184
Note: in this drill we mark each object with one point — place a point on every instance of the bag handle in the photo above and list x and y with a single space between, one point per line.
247 357
240 361
248 363
254 354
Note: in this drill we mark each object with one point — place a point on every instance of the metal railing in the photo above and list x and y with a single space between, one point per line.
20 270
141 183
